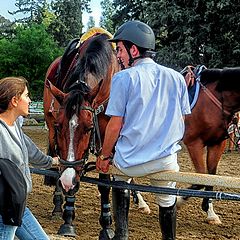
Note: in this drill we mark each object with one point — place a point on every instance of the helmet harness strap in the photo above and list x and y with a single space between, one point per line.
131 59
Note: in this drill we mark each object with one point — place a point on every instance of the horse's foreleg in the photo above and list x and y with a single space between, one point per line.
105 217
207 206
195 150
138 199
213 157
68 228
57 200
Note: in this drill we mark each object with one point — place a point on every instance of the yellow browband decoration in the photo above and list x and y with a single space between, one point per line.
93 31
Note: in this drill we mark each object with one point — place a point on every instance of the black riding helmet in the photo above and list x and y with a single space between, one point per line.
138 33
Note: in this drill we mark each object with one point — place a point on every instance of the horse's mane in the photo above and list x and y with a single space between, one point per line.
95 60
210 75
77 93
228 79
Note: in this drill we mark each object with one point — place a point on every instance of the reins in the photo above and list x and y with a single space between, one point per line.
214 99
96 136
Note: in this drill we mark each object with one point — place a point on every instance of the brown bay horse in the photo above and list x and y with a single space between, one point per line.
206 126
78 126
73 129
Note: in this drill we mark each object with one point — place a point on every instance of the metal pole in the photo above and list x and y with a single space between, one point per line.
145 188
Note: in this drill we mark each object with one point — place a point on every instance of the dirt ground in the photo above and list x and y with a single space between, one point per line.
190 218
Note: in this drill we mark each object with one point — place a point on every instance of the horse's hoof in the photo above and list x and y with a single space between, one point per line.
67 230
214 221
106 234
57 215
180 202
145 210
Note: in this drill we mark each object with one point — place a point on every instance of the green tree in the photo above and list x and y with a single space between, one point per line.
67 23
32 9
108 10
91 22
28 54
6 27
189 32
129 10
196 32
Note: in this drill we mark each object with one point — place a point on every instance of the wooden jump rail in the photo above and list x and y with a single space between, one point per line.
191 178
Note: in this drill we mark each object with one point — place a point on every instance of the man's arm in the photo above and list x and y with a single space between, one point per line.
111 136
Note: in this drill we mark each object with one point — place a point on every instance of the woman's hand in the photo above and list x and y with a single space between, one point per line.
55 161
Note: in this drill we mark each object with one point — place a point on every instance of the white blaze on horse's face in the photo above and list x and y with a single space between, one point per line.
73 123
69 174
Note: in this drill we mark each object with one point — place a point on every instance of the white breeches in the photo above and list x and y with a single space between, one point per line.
168 163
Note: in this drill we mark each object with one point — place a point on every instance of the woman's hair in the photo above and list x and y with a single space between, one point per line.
10 87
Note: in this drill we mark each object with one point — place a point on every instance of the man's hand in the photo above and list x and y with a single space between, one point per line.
103 163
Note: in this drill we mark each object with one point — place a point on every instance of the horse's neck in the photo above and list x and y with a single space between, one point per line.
102 96
104 89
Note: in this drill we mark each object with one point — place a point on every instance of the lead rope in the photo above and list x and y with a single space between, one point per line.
96 136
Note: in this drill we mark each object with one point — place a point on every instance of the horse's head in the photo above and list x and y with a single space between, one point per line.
78 119
73 129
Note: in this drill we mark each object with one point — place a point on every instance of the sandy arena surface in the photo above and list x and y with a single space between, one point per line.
190 218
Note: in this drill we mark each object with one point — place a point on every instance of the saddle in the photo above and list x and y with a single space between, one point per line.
191 75
74 51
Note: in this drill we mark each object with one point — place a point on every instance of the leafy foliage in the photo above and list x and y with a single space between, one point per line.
67 23
129 10
28 54
108 11
5 27
90 23
32 10
189 32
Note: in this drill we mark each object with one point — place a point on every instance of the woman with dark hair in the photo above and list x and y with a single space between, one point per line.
17 150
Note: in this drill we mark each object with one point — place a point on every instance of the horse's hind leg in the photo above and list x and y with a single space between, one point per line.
105 217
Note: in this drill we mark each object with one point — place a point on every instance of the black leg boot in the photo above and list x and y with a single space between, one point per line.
121 201
167 220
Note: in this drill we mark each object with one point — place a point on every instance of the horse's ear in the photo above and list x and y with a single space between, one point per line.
57 93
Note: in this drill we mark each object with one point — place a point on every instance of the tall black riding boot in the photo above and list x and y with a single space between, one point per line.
167 220
121 201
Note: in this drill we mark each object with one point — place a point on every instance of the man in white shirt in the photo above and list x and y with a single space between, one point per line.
147 106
